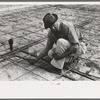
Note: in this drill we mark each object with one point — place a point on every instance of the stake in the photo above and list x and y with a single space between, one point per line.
10 41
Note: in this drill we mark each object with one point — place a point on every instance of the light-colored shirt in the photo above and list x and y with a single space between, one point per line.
66 31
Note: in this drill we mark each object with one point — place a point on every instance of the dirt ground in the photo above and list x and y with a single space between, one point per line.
24 24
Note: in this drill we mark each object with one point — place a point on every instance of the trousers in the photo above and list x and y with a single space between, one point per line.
60 47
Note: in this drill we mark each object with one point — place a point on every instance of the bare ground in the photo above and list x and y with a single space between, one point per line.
25 25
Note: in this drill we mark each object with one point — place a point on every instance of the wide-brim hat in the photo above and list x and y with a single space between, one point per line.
49 20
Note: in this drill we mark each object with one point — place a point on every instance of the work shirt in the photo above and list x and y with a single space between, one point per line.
66 31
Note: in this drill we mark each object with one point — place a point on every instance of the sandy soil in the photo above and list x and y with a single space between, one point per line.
22 24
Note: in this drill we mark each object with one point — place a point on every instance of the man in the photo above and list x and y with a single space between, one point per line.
62 42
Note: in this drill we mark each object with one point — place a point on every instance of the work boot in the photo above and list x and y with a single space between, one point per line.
57 71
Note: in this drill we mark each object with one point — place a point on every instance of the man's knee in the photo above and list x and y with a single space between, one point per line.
63 42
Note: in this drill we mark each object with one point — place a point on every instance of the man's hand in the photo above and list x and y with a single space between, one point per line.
57 57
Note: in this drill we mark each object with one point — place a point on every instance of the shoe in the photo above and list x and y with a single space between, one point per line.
57 71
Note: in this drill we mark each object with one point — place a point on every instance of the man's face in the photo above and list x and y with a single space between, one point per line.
53 28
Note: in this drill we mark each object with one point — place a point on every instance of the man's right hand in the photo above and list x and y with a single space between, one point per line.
54 54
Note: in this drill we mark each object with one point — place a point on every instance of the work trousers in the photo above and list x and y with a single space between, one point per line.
60 47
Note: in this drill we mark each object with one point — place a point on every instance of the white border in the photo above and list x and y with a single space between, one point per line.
46 90
42 3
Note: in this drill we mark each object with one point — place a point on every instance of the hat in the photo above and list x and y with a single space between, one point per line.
49 20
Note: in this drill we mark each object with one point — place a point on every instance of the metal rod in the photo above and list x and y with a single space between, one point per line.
27 70
72 69
26 59
94 78
34 55
9 54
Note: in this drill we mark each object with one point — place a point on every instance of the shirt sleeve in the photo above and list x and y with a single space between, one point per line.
71 33
50 37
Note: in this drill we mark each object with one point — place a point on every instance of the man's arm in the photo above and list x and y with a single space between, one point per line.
72 38
45 51
71 50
